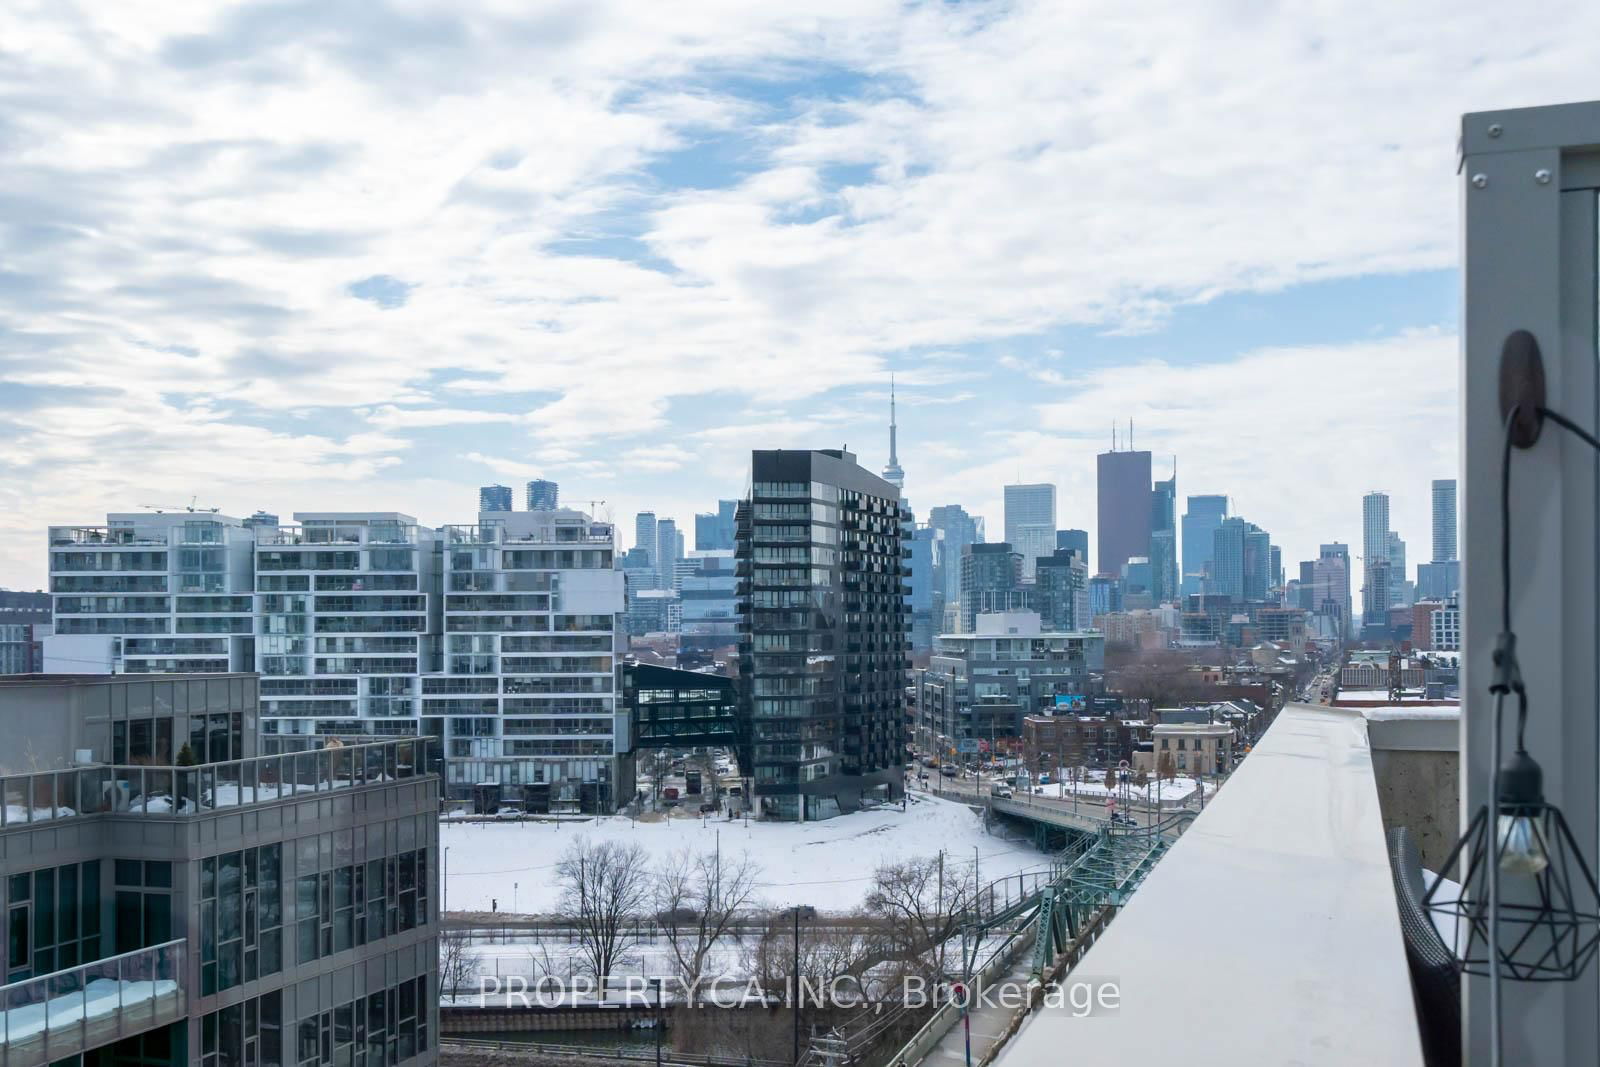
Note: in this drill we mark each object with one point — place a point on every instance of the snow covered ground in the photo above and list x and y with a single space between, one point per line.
828 865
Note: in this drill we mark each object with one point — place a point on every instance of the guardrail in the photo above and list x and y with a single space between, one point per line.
60 1015
177 791
668 1057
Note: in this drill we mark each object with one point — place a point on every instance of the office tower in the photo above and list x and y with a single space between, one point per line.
1332 596
1439 581
923 597
1401 592
1374 547
892 473
644 535
713 532
1241 561
1123 494
1200 524
991 580
1105 595
260 518
1164 587
708 603
1137 579
820 748
1276 569
1061 591
491 498
1031 522
1306 586
1075 540
668 550
542 495
175 909
956 530
1444 520
1378 577
1257 564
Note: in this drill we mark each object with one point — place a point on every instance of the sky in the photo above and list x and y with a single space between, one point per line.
317 255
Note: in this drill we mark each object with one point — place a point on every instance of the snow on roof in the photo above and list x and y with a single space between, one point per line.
1399 712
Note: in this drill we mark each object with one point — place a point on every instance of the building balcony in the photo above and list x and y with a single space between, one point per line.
101 537
177 792
57 1016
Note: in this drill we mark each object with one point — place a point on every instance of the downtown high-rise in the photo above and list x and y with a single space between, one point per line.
543 495
1440 579
490 498
1205 513
1030 522
822 662
1123 495
1375 547
1164 583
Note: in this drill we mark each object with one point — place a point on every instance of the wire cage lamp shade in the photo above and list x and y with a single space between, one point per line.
1550 928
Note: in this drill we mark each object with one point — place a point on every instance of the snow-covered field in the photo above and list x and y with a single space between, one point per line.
828 865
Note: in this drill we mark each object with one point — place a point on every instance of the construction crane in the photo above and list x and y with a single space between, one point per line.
594 508
161 509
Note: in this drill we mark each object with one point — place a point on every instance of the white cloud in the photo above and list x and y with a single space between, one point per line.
186 196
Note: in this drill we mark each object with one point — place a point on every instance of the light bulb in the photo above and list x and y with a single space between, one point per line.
1521 845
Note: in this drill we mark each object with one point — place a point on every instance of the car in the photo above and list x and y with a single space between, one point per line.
1001 791
708 808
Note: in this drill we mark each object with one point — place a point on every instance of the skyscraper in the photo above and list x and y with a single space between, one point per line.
1031 522
991 580
1241 560
1374 547
1077 540
542 495
1330 588
1200 524
1061 591
644 535
821 747
891 471
669 549
956 530
1401 591
713 531
1444 519
1164 540
1123 497
492 498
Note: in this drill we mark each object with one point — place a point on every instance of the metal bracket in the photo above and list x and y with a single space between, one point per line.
1522 387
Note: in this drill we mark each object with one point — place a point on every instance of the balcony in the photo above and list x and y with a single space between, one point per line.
101 536
61 1015
174 792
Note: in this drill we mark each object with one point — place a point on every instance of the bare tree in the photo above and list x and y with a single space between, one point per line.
918 903
698 895
1166 768
604 890
458 964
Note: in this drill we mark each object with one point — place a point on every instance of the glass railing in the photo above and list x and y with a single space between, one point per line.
104 535
59 1015
181 791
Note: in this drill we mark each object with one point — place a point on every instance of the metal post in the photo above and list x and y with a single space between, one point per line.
444 884
795 1003
660 1018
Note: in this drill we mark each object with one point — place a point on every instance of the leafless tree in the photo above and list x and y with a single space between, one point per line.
918 903
605 888
698 895
458 963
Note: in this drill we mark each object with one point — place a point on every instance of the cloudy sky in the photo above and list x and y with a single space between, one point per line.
317 255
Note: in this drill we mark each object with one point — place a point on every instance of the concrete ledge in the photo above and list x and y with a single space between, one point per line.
1269 934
